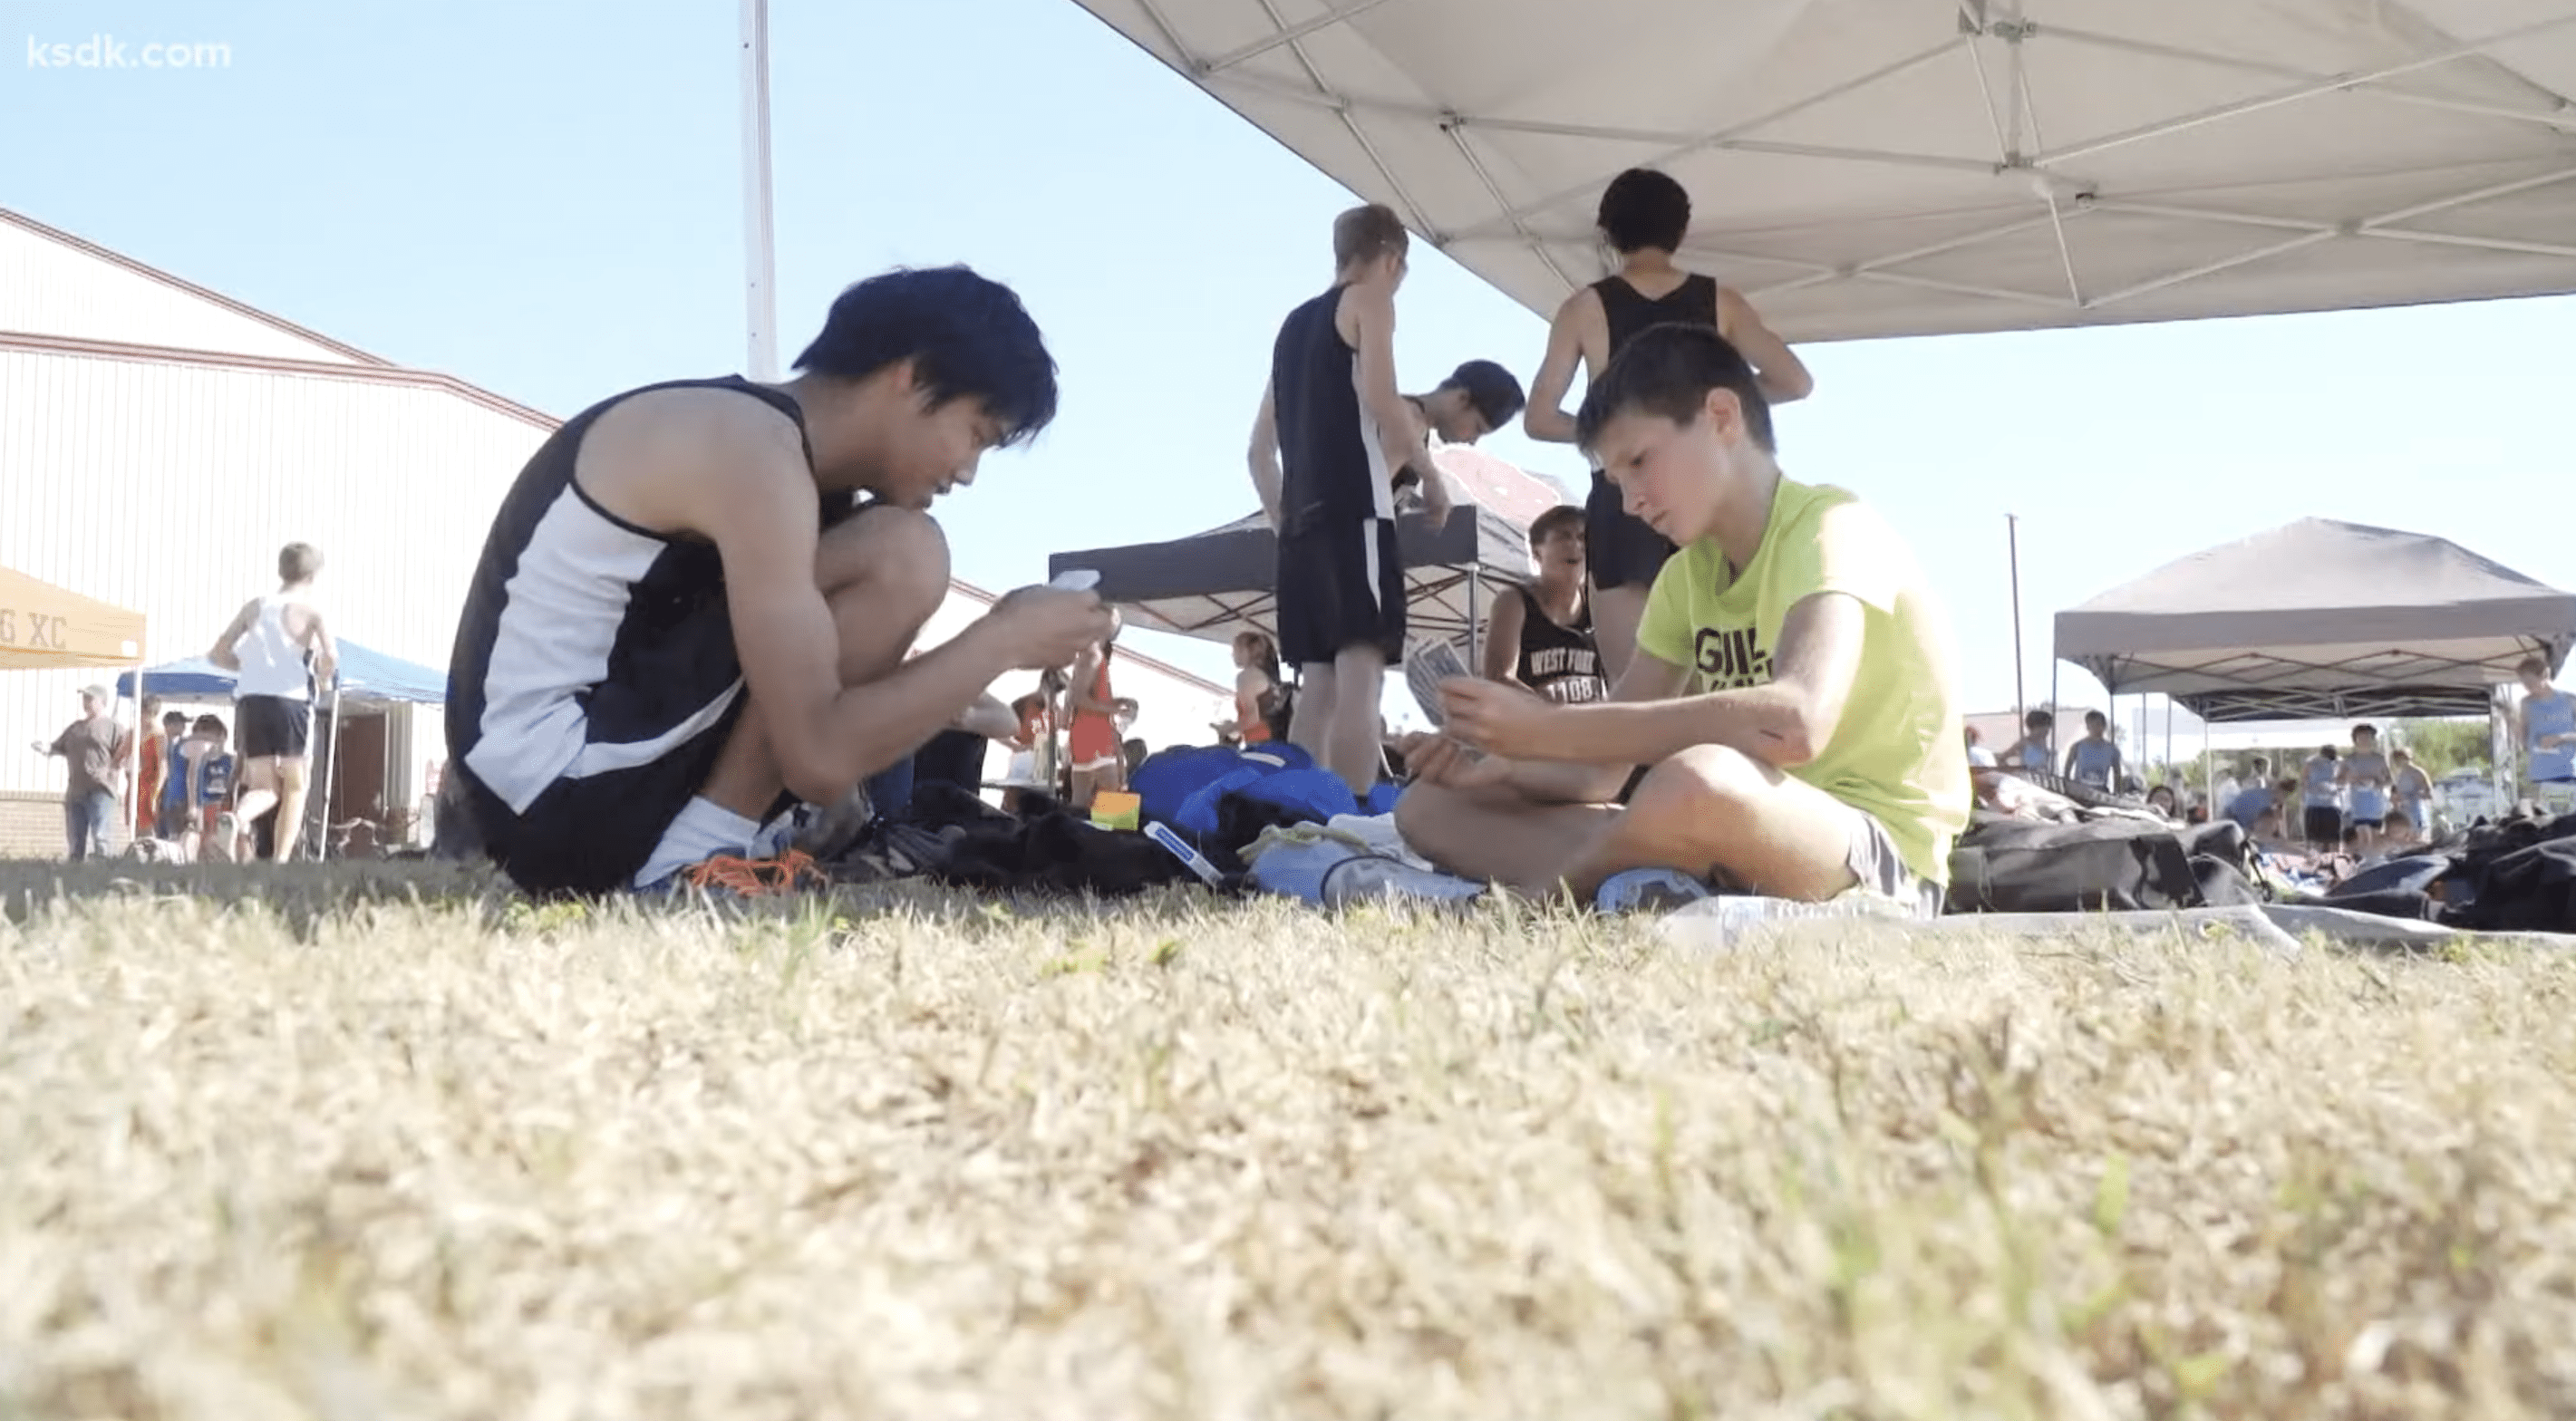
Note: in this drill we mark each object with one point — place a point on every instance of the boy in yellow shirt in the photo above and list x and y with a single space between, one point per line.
1790 725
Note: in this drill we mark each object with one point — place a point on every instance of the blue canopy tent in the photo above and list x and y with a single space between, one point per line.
367 678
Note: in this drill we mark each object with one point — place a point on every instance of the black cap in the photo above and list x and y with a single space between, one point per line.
1491 389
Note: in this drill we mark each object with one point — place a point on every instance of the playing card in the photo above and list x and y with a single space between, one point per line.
1425 667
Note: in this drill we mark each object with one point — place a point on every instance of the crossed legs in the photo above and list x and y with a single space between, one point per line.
1708 811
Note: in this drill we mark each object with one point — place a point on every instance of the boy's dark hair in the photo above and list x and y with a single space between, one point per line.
1554 521
967 336
1668 371
1365 234
180 716
209 725
2363 729
1643 209
2039 720
297 562
1494 391
2094 718
2258 766
2533 666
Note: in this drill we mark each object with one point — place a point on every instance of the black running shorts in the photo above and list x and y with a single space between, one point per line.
1621 550
1340 585
274 726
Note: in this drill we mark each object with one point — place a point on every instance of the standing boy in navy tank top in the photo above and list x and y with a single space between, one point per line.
1644 216
1328 447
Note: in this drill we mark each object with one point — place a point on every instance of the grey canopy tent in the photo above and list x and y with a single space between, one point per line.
2320 619
1220 582
1922 167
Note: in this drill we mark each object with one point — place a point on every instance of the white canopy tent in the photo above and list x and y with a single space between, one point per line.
1920 167
2321 619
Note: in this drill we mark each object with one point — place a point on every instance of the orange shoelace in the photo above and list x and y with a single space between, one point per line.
757 878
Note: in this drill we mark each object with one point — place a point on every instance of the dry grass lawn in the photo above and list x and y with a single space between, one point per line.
401 1151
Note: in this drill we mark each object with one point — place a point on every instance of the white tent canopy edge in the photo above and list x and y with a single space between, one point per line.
1870 168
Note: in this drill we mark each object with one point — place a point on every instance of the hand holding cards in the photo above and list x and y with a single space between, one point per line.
1425 667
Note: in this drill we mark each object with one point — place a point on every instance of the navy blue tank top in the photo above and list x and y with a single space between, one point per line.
1332 464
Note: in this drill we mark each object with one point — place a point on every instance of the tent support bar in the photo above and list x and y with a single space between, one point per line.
1457 133
1683 147
2299 92
2384 92
1290 35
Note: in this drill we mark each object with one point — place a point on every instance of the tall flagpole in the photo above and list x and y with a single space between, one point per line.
2012 536
759 243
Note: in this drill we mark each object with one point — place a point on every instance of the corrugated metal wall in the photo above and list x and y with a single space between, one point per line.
47 288
169 488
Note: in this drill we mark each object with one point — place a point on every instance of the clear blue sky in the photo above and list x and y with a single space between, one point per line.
544 199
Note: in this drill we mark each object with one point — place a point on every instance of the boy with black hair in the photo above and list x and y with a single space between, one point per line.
2095 760
1329 442
1539 635
1478 398
1789 725
684 619
1643 217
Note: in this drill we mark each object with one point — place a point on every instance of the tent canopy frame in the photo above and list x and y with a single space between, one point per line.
2408 61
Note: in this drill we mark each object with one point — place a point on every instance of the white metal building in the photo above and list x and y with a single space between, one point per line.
159 442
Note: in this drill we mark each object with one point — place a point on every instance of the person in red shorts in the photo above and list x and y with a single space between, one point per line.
1099 760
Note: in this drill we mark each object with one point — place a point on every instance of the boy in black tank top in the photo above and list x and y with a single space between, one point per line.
1644 215
1540 636
1329 444
681 624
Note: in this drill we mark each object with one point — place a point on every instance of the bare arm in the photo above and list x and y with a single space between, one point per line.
1436 502
1646 683
1545 418
1776 368
989 718
1503 624
757 504
1085 693
221 653
326 651
1782 724
1399 430
1264 454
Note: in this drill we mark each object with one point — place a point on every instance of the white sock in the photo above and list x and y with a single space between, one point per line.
702 830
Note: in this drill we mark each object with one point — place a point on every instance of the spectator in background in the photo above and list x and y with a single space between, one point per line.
278 649
2030 752
1540 635
2321 799
211 768
2251 804
2161 800
2412 789
2399 833
1256 691
161 785
1094 744
96 748
2544 728
2094 761
2364 779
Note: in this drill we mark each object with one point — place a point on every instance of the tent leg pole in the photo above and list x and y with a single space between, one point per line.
1475 622
134 795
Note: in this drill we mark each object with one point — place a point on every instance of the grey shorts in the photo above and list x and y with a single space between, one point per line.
1875 866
